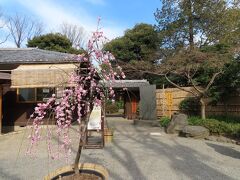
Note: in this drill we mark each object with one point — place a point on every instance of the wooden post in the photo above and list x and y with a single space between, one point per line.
1 109
163 100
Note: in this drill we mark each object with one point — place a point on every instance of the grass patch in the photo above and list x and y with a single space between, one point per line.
164 121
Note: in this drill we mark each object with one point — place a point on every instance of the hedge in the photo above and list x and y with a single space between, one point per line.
216 126
221 126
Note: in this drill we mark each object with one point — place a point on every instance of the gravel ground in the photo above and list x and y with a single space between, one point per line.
134 154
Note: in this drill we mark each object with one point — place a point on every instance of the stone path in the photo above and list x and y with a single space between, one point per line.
134 154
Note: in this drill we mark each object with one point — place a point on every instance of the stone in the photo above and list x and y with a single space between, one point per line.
221 139
198 132
177 123
211 138
156 124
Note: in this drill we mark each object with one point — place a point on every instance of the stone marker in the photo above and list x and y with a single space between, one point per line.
198 132
177 123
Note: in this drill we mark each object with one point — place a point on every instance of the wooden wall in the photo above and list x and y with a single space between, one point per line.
14 113
168 101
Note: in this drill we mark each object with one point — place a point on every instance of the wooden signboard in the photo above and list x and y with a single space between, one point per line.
95 126
95 119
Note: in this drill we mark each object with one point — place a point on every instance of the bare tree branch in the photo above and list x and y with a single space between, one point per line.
1 27
195 87
75 34
22 28
179 87
212 80
6 38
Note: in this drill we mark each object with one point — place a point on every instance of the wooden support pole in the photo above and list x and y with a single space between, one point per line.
1 109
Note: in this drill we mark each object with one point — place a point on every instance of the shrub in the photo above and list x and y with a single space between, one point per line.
190 106
226 118
111 108
216 126
164 121
120 104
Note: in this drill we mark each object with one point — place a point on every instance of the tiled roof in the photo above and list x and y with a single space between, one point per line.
32 55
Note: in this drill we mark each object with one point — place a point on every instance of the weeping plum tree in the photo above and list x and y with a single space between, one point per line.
93 70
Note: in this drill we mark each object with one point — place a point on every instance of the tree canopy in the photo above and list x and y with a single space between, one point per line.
138 47
138 44
192 23
54 42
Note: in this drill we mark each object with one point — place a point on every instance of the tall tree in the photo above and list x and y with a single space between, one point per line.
190 23
22 28
75 34
230 30
138 48
138 44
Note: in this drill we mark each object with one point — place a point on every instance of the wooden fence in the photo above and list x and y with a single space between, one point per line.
168 101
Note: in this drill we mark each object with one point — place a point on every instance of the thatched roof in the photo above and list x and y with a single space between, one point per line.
42 75
5 76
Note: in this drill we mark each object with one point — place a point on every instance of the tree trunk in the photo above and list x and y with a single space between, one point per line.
190 24
80 146
78 155
203 109
82 141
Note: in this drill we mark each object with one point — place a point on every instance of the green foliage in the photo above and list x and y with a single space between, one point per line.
139 43
231 29
226 118
120 104
138 48
111 107
202 37
164 121
53 42
191 106
228 84
180 22
215 126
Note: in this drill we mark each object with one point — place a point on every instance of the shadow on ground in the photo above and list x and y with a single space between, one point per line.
225 150
183 159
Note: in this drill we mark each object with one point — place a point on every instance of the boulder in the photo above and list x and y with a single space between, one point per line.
198 132
177 123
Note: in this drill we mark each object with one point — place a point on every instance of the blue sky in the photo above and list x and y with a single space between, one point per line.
116 15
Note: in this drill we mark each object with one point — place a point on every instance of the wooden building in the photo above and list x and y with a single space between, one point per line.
139 98
4 79
35 74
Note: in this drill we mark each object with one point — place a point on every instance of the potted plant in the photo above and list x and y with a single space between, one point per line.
87 88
